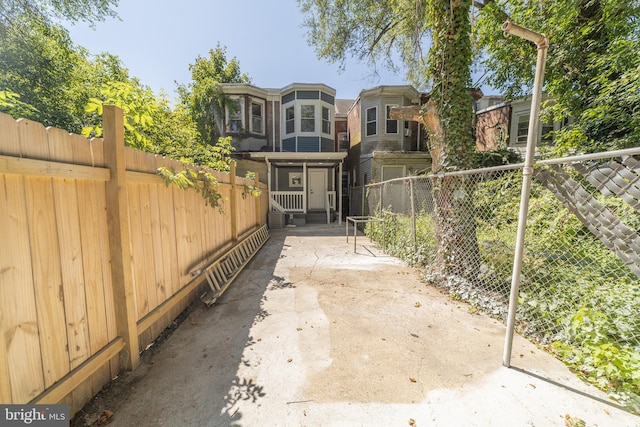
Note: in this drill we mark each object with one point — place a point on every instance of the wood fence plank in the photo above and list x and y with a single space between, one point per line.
68 224
146 255
161 271
147 244
93 262
182 237
17 295
137 260
33 140
169 241
47 277
10 142
5 384
156 237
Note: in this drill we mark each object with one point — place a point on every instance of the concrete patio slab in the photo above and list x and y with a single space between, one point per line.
313 334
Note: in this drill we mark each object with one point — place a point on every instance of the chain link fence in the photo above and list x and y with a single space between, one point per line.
579 294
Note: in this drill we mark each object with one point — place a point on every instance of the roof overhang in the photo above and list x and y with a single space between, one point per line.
293 159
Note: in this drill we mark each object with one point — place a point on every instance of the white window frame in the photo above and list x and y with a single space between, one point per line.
312 117
367 121
521 140
388 120
229 118
260 129
291 120
326 122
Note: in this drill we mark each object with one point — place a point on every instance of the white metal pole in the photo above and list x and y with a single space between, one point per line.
527 174
340 193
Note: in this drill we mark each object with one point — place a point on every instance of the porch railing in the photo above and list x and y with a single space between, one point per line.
293 201
290 201
331 200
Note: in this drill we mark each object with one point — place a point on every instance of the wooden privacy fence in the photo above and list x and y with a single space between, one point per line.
95 255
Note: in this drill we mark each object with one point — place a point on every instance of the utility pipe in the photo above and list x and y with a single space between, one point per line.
542 44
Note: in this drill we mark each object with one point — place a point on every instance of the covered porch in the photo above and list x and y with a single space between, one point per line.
304 187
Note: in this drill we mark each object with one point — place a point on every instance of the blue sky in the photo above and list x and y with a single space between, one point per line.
158 40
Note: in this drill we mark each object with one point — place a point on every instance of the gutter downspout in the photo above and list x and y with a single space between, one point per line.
542 44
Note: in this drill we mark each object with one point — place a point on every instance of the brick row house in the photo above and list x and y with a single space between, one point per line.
310 147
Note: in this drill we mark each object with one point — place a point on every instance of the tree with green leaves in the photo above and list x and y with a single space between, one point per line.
204 96
592 77
39 62
372 29
14 11
592 66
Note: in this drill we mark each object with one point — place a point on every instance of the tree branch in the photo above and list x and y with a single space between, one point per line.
383 31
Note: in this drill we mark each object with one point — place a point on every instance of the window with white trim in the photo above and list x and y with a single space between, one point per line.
371 124
545 132
235 115
290 120
326 120
522 130
257 116
391 125
307 118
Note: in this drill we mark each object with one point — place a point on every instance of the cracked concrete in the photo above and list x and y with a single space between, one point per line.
313 334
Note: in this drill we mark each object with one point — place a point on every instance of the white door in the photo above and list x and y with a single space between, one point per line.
317 188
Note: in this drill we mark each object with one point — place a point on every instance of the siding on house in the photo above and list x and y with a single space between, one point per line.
308 144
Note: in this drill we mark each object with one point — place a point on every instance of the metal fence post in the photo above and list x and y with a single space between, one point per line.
413 215
527 174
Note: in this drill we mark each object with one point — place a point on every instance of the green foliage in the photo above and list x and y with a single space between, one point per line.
591 71
38 63
200 180
497 157
45 10
397 237
575 294
138 104
204 97
10 103
251 189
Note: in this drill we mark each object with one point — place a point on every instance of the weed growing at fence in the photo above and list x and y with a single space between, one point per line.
577 298
398 235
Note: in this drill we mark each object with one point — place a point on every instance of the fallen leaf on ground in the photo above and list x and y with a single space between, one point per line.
570 421
413 380
105 418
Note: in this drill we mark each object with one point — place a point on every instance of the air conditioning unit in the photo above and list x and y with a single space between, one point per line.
407 132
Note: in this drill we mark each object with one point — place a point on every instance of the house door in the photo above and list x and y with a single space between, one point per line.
317 188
